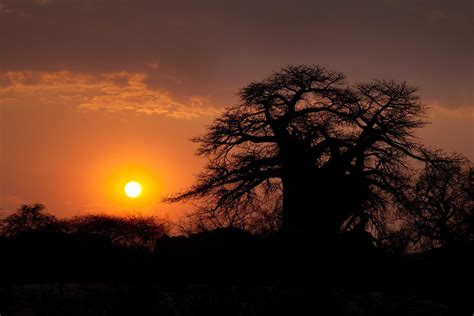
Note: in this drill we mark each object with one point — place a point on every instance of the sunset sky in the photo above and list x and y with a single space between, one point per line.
95 93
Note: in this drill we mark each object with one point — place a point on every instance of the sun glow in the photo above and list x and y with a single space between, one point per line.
116 185
133 189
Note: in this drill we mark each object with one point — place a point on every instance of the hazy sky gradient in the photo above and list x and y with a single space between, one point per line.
90 88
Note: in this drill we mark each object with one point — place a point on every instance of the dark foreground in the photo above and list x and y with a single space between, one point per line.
230 273
198 299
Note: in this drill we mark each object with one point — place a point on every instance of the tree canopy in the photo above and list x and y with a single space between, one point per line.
130 231
307 146
439 209
29 218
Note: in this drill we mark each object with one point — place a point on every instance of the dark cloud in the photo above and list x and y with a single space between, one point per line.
213 47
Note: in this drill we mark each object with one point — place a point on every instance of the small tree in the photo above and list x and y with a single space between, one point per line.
29 218
439 207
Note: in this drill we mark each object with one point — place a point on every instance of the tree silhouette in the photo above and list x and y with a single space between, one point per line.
29 218
303 141
439 208
130 231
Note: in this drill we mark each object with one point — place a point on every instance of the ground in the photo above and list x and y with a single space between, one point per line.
153 299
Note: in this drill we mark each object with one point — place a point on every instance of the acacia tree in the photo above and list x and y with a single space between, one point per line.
29 218
131 231
327 153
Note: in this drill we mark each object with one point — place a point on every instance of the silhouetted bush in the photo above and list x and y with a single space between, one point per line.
29 219
130 231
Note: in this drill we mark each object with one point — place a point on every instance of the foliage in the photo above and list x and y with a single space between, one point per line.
439 207
29 219
129 231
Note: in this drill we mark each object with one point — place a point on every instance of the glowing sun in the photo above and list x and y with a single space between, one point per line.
132 189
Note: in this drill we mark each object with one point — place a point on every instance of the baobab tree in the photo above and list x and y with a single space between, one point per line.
307 146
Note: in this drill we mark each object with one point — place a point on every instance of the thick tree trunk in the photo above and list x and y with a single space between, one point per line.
315 202
305 209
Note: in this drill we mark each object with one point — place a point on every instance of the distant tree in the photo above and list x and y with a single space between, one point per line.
470 190
133 231
322 153
439 208
263 221
29 218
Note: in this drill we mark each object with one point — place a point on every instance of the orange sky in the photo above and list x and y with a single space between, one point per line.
94 93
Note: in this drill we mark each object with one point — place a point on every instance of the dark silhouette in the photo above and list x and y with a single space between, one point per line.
29 219
303 142
87 262
310 199
439 206
131 231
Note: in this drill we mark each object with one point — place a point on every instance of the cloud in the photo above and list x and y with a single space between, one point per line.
439 111
450 128
117 92
154 65
4 9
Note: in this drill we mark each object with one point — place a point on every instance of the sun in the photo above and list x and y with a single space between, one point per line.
132 189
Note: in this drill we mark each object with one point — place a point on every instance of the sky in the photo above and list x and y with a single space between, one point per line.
95 93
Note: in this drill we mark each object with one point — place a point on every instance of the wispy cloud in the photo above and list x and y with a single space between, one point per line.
438 111
111 92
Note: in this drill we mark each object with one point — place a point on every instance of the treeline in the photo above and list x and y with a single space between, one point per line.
36 246
129 231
